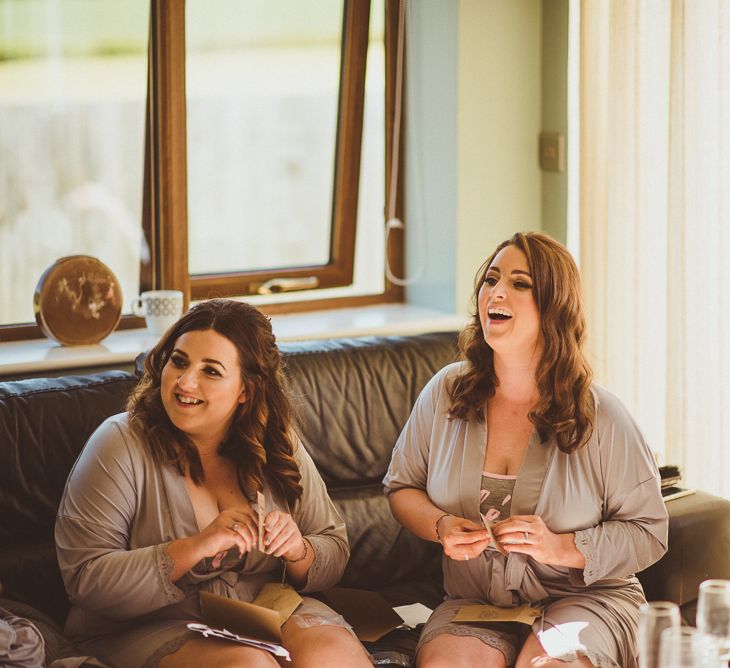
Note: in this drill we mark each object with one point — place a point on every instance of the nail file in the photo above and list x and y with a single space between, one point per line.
261 509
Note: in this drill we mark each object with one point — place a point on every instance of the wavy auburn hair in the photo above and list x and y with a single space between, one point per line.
260 441
565 409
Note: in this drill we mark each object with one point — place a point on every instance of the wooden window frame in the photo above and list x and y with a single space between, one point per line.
339 269
165 222
164 200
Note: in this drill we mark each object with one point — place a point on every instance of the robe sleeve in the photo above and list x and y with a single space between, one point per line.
409 461
100 571
322 526
633 533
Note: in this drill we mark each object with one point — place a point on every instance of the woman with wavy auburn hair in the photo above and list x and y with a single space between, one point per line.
537 483
163 504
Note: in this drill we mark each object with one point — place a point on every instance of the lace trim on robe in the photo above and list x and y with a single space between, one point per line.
165 566
170 647
316 562
598 659
583 577
487 636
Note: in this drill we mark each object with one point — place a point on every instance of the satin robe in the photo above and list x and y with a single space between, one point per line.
119 511
607 492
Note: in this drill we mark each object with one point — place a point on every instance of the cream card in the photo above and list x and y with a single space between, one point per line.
524 614
261 510
414 614
488 524
275 648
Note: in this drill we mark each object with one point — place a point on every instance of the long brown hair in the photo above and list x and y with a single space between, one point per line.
565 408
260 440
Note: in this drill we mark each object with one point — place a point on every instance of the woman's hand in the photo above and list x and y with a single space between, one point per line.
529 535
233 527
462 539
282 537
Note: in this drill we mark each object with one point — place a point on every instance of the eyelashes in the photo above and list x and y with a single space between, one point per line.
491 281
177 361
180 362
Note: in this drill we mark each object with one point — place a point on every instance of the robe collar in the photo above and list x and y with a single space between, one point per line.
529 481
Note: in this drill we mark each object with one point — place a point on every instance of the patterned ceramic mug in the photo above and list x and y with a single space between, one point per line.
159 308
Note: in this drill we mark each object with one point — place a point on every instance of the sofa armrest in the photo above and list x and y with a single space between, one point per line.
699 549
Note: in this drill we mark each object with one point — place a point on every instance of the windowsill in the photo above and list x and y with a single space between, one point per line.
122 347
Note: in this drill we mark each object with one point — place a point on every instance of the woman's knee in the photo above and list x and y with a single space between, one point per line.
547 662
449 651
324 646
218 654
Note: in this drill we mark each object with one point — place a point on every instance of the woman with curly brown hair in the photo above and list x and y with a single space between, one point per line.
160 506
537 482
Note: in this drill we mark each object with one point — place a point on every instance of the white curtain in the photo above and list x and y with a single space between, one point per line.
655 221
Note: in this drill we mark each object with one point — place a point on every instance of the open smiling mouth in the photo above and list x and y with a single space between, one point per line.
187 401
499 314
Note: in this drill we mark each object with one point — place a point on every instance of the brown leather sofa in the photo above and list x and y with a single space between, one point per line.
353 397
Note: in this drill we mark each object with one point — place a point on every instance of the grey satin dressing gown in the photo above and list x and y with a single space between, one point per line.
607 492
117 515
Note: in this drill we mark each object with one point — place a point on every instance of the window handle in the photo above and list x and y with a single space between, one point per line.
276 285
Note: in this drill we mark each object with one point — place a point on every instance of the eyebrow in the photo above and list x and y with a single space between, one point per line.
208 360
514 271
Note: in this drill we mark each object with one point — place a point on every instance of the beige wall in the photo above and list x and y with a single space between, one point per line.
555 112
498 122
487 77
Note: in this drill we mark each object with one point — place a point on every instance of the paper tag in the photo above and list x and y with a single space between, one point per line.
413 614
261 510
525 614
281 598
488 524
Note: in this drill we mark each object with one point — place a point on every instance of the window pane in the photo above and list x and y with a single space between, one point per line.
73 77
369 276
262 93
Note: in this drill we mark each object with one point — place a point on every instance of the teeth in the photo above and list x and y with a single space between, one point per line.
188 400
500 311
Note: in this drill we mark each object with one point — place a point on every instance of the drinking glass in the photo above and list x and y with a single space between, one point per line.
713 614
687 647
654 617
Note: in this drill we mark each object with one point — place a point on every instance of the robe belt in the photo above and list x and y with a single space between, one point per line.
514 574
231 585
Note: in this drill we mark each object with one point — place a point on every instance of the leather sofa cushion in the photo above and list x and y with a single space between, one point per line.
44 423
353 397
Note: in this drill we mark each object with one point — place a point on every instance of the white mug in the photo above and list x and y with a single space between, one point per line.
159 308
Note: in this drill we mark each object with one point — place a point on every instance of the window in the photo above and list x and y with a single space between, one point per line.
72 117
250 144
